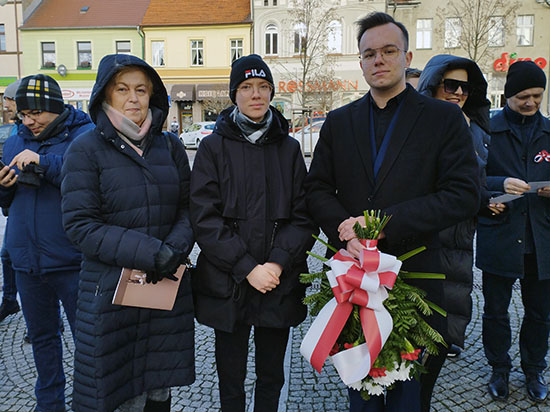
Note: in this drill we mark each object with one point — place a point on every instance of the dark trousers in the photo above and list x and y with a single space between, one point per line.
9 289
40 296
535 327
231 357
433 366
404 397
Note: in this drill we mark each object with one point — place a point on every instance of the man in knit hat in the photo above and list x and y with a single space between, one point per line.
514 244
9 99
46 264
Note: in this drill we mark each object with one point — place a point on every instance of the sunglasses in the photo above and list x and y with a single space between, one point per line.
452 85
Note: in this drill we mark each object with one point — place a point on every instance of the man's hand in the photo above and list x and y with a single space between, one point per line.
7 177
544 191
262 279
345 229
515 186
354 247
273 268
496 208
24 158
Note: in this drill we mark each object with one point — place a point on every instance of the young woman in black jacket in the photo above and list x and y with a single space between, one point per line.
250 220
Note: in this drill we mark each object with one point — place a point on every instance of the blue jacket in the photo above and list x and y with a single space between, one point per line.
501 239
119 207
36 242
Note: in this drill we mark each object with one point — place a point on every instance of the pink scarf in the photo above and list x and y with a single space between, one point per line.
126 126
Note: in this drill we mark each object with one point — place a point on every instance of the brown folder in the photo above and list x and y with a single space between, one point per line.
132 290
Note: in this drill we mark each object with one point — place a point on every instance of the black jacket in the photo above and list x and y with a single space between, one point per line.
501 239
457 256
248 207
119 207
428 179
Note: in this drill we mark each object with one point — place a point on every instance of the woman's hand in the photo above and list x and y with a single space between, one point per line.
544 191
262 279
345 229
515 186
496 208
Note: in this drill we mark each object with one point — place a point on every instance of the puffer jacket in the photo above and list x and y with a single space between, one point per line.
37 243
119 207
248 208
457 241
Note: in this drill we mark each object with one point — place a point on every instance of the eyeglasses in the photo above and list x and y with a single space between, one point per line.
31 115
387 53
452 85
248 89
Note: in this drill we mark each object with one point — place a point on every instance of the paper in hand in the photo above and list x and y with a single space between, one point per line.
504 198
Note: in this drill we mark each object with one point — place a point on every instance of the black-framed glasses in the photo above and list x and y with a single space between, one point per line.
452 85
33 114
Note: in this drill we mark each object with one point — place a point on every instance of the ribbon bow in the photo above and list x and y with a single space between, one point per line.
363 282
542 155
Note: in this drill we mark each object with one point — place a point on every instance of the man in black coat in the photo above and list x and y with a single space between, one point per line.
405 154
514 244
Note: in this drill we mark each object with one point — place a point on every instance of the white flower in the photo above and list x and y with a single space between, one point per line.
373 390
356 385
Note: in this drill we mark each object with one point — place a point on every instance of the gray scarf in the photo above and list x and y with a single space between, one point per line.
252 131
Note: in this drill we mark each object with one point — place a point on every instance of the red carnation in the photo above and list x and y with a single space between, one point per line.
377 372
411 355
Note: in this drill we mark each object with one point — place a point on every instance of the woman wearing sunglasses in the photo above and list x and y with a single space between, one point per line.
459 81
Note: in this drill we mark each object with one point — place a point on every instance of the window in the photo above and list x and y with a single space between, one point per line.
48 54
84 53
424 33
271 37
524 30
157 52
300 38
197 53
453 31
2 37
236 49
123 47
334 38
496 31
273 2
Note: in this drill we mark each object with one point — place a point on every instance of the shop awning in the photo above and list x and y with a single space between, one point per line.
182 92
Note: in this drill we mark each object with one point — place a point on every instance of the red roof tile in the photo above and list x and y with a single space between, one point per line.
101 13
193 12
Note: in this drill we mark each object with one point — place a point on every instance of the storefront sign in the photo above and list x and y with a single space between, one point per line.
502 64
76 94
316 86
212 91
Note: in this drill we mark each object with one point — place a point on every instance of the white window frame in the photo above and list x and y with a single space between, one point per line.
334 37
496 31
157 53
424 29
271 40
197 52
236 49
299 37
525 27
81 51
120 49
453 31
50 53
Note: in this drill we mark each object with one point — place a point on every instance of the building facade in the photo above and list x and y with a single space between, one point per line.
11 63
192 46
66 41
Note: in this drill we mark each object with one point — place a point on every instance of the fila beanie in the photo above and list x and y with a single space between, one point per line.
248 67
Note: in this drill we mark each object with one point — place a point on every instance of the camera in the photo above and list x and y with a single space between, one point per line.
30 175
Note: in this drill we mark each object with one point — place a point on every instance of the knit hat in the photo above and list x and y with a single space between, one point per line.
39 92
11 89
248 67
523 75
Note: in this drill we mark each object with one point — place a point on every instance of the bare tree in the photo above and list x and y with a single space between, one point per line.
311 27
216 105
477 26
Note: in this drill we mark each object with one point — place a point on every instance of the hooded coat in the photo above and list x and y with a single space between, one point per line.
457 241
247 208
37 243
118 208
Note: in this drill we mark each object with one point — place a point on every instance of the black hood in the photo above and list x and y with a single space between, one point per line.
109 66
226 127
477 105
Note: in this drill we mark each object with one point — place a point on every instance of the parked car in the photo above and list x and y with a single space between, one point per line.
309 136
192 135
301 121
5 131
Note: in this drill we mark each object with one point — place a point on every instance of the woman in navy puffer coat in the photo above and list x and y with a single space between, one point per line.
125 204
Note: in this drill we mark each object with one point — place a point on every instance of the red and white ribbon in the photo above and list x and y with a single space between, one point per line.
542 155
363 282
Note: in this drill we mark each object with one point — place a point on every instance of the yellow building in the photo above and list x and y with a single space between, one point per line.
66 40
192 45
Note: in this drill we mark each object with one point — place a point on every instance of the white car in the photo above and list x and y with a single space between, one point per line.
308 136
192 135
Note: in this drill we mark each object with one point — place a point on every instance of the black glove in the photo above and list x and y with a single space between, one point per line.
167 261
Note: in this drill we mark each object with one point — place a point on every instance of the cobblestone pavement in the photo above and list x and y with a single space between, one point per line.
461 385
